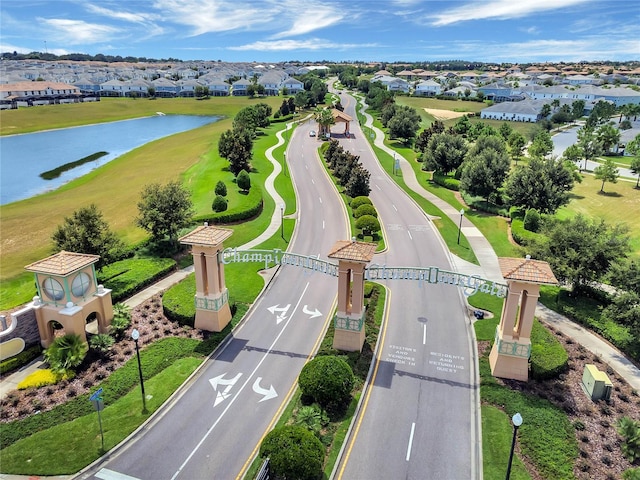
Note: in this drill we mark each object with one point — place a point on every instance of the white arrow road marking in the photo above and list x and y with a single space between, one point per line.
237 394
267 394
282 312
106 474
220 380
314 313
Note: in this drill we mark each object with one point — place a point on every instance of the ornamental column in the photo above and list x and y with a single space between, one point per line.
212 296
352 258
509 357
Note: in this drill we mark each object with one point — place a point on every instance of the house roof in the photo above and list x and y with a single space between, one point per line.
206 236
527 270
63 263
353 251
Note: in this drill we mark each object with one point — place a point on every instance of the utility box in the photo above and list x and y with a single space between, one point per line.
596 384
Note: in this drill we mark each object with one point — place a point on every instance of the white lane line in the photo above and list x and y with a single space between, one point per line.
424 334
106 474
305 166
413 429
394 207
312 181
409 234
320 198
323 224
264 357
378 187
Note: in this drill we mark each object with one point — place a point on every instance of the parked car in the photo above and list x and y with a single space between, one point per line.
312 133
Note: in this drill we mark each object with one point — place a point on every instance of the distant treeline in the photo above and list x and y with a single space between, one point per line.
83 57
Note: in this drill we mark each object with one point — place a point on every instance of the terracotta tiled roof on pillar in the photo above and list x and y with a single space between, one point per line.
527 270
63 263
205 235
353 251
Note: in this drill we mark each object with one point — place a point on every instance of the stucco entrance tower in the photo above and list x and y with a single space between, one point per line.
212 297
68 293
352 258
509 357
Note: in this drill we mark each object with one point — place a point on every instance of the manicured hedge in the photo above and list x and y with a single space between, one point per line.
446 181
129 276
294 452
178 302
548 356
19 360
519 234
234 215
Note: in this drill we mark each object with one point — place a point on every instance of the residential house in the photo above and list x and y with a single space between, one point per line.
524 111
428 88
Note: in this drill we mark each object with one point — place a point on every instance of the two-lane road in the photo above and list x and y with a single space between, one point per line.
419 417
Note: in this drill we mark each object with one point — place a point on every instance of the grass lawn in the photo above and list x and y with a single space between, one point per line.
497 434
620 203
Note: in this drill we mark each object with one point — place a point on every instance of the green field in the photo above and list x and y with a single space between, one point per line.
115 188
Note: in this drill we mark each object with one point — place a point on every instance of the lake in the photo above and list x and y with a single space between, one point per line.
24 157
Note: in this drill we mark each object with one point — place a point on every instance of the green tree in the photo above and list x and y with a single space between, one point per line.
545 111
633 147
572 153
626 276
577 109
244 181
365 209
404 124
484 173
462 126
607 172
505 131
65 353
302 99
328 380
221 189
324 118
164 210
516 142
588 143
368 224
294 453
86 231
608 136
579 250
543 184
358 183
236 146
444 153
219 204
542 145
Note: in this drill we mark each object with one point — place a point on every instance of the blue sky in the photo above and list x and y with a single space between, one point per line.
516 31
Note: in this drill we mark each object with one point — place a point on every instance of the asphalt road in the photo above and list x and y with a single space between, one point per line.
213 428
419 418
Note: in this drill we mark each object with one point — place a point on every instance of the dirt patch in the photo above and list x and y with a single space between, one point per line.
445 114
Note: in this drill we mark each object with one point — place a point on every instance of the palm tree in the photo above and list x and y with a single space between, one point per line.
325 119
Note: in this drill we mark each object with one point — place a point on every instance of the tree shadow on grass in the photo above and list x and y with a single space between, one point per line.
609 194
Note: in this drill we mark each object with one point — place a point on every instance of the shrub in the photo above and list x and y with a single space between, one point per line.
43 377
446 181
311 417
516 212
328 380
631 474
365 210
520 235
548 357
121 318
127 277
219 204
66 353
532 220
359 201
294 452
368 224
19 360
629 430
221 189
101 342
244 181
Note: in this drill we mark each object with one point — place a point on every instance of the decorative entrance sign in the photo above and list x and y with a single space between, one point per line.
469 283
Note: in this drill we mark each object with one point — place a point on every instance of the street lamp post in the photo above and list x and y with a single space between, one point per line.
282 220
135 335
460 225
517 421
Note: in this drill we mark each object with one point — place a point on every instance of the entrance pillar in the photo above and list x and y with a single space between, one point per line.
212 297
509 357
352 258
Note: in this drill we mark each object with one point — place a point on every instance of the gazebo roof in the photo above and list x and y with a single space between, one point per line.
206 236
353 251
527 270
338 115
63 263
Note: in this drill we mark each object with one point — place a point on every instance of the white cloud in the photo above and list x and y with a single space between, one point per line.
303 22
78 32
498 9
142 18
205 16
309 44
531 30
